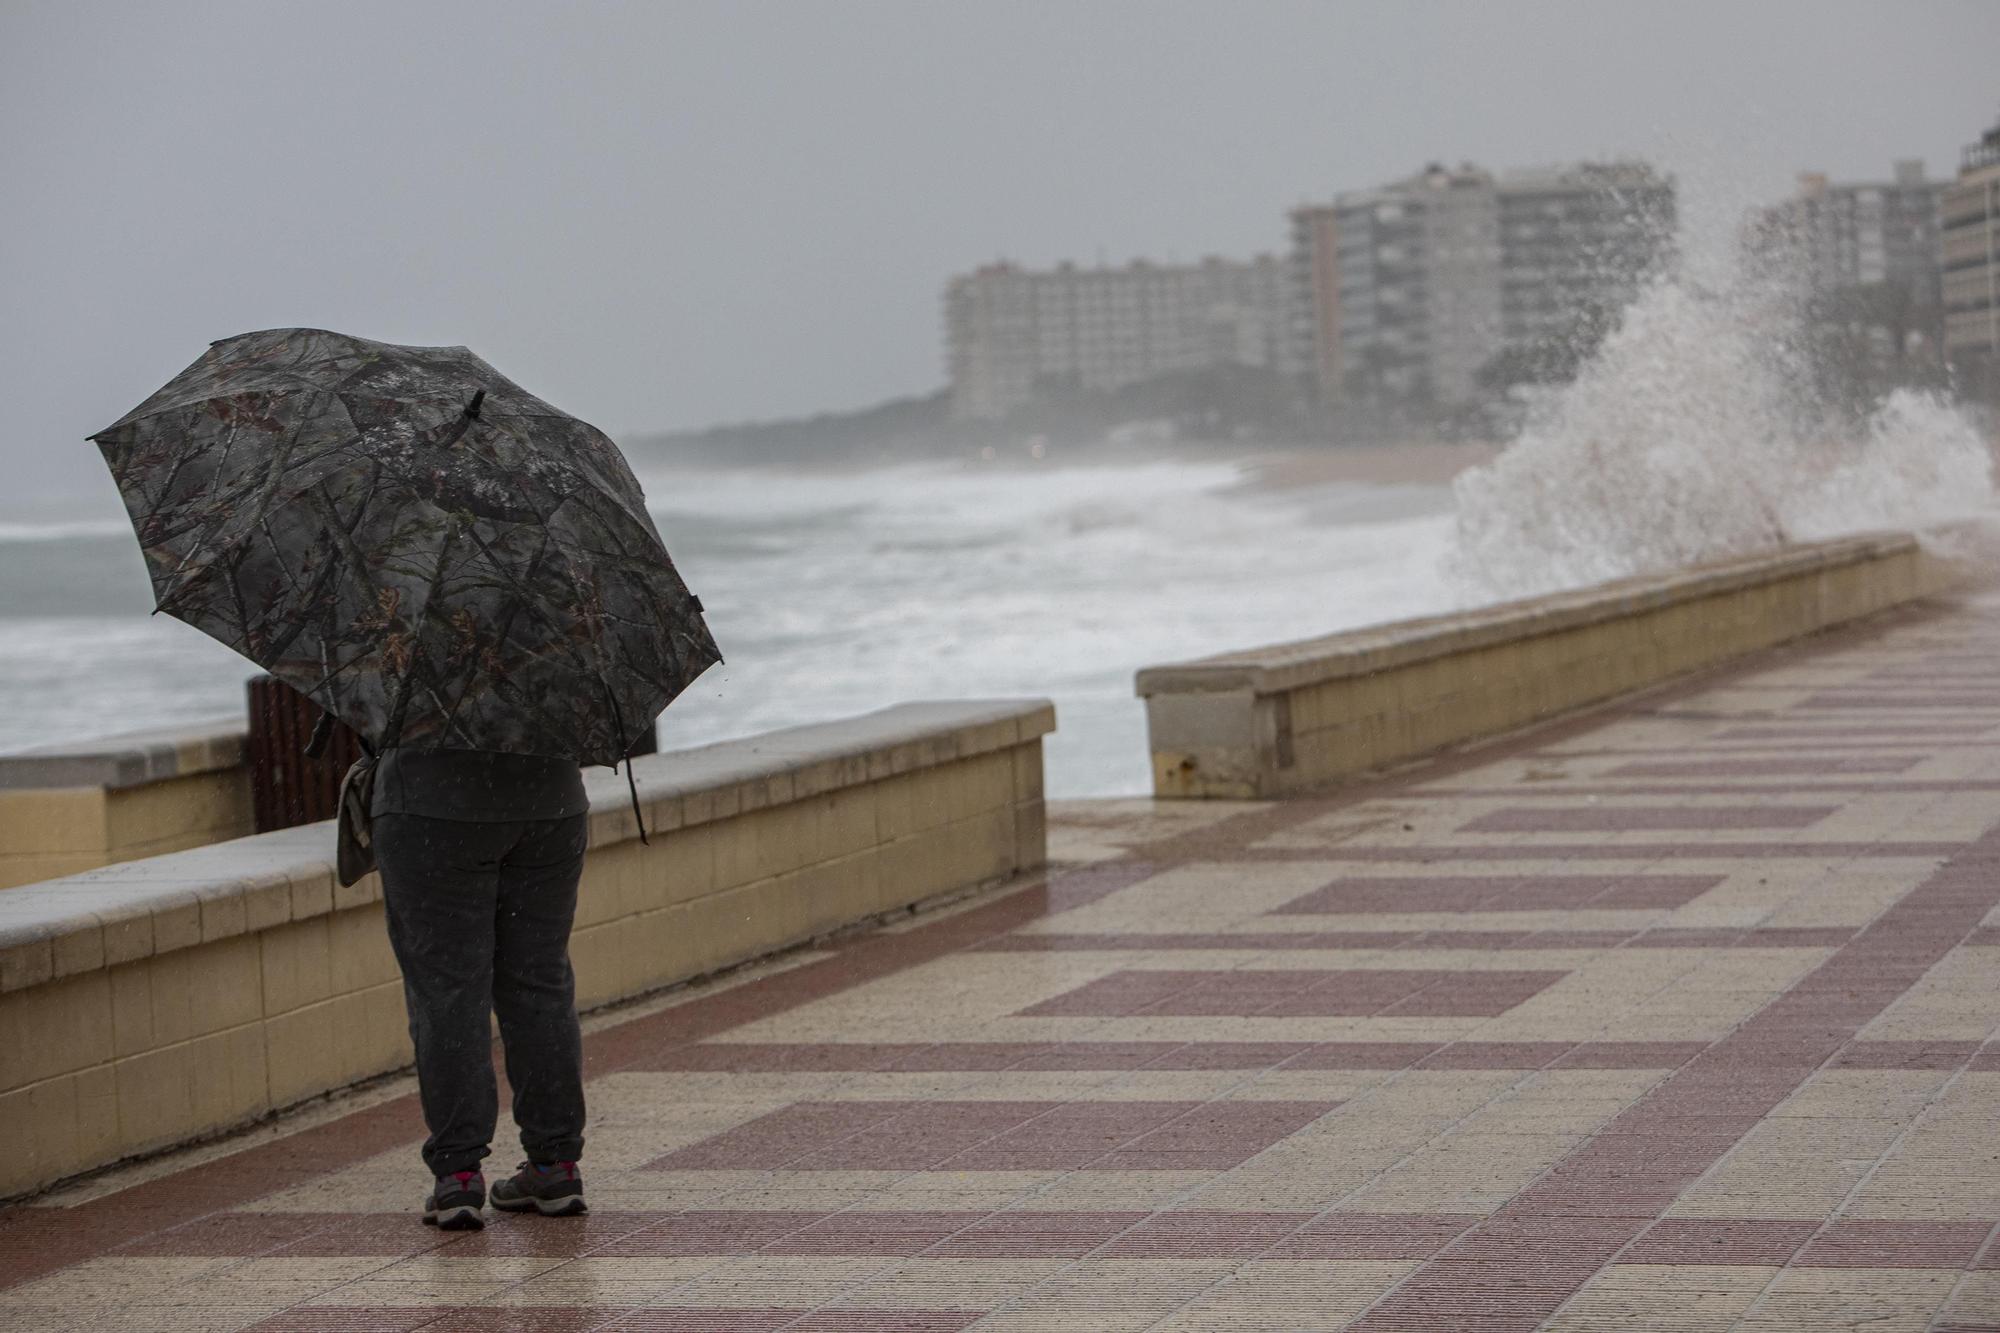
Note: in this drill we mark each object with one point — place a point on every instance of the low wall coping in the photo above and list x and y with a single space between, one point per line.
129 759
136 909
1277 668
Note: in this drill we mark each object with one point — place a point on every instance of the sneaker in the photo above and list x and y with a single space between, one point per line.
553 1189
455 1202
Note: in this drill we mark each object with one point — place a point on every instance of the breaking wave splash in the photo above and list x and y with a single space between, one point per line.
1690 436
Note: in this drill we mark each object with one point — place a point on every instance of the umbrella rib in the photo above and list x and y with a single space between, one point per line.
277 552
330 673
208 533
528 602
277 647
513 611
213 502
264 489
393 724
290 358
221 463
342 538
444 729
560 742
250 649
448 712
153 502
535 609
326 637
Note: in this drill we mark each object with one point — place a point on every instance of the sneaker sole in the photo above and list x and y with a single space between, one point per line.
568 1206
461 1218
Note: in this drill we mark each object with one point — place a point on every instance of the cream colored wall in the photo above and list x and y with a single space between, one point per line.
54 831
705 897
235 999
1500 670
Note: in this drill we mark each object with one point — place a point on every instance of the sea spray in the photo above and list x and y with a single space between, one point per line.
1920 464
1692 435
837 592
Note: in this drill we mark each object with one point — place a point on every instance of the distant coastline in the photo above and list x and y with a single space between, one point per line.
899 429
1233 412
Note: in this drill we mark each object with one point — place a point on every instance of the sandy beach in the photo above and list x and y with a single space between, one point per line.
1378 465
1263 467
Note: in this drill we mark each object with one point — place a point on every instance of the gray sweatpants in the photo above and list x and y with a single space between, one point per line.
479 917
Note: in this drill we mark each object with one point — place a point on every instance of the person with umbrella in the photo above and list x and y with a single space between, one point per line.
469 578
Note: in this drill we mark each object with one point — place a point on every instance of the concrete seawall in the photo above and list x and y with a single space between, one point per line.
1290 718
70 808
166 995
159 1000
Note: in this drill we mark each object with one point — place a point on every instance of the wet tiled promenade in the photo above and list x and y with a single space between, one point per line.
1677 1017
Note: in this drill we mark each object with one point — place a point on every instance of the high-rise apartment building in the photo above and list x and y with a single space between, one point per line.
1315 285
1419 269
1863 257
1876 240
1407 292
1015 336
1576 244
1399 287
1969 246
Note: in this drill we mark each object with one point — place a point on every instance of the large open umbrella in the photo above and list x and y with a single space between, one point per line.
438 557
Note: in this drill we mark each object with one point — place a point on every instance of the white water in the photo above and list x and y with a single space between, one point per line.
834 594
1685 439
1688 438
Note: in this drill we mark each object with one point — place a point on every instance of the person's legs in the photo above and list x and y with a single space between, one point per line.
440 882
534 990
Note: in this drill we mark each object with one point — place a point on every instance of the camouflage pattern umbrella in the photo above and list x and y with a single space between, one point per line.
438 557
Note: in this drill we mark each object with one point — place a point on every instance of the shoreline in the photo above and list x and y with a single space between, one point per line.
1367 465
1261 466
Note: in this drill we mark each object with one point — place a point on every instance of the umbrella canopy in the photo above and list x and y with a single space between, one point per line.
438 557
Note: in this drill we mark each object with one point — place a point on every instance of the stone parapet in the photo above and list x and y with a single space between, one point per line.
70 808
131 759
155 1001
1293 717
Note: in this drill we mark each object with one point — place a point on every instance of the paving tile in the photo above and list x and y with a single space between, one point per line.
1863 1243
1648 818
1671 1018
1298 993
1754 1242
1500 893
999 1136
546 1319
349 1319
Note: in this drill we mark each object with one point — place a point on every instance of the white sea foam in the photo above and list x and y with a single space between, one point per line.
836 593
1920 464
940 582
1690 436
1683 440
63 530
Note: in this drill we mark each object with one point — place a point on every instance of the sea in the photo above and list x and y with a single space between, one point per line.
834 593
1684 438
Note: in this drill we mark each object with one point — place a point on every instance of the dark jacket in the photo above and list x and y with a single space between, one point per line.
478 786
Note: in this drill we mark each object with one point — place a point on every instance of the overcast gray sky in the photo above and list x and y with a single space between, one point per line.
669 214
